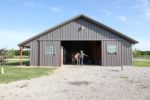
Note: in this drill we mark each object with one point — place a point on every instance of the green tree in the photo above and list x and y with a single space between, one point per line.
11 53
136 53
3 54
17 52
26 53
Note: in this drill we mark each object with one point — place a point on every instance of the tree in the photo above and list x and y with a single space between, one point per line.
3 54
136 53
11 53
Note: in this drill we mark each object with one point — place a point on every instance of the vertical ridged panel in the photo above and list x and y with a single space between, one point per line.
123 56
70 31
34 53
47 59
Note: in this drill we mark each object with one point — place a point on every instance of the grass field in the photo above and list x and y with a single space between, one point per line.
144 57
141 63
14 73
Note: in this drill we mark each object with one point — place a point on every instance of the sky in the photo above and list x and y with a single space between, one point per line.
22 19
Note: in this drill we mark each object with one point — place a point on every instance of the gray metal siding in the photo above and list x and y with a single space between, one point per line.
126 53
47 59
123 56
38 57
34 53
70 31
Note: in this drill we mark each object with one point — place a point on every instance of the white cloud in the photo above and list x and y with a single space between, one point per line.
144 7
147 12
108 13
122 18
31 4
11 39
27 4
145 2
56 9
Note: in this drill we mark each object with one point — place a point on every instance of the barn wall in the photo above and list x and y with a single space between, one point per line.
39 55
49 57
70 31
126 53
123 56
34 53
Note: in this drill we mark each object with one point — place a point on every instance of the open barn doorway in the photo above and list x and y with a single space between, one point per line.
91 48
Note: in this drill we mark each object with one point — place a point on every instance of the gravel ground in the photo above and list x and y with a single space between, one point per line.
83 83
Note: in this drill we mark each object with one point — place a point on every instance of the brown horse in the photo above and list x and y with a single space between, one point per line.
76 58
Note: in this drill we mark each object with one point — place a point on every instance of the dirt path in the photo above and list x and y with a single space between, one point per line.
83 83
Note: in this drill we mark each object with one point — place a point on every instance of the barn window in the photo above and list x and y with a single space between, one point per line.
49 50
111 49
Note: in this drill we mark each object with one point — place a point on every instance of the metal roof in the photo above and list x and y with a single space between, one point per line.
74 18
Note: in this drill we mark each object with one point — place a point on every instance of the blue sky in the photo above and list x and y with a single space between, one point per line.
21 19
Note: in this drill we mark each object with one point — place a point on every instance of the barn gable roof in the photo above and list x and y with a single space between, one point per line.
74 18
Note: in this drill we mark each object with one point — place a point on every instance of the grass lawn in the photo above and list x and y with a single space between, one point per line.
144 57
141 63
14 73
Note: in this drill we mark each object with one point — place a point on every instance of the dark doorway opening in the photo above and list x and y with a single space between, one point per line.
91 48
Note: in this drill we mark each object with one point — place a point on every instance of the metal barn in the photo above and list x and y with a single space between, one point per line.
103 45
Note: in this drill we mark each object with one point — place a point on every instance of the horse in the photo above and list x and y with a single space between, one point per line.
76 58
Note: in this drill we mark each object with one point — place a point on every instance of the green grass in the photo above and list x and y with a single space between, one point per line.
14 73
144 57
141 63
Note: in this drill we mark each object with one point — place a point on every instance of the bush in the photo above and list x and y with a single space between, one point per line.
24 52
